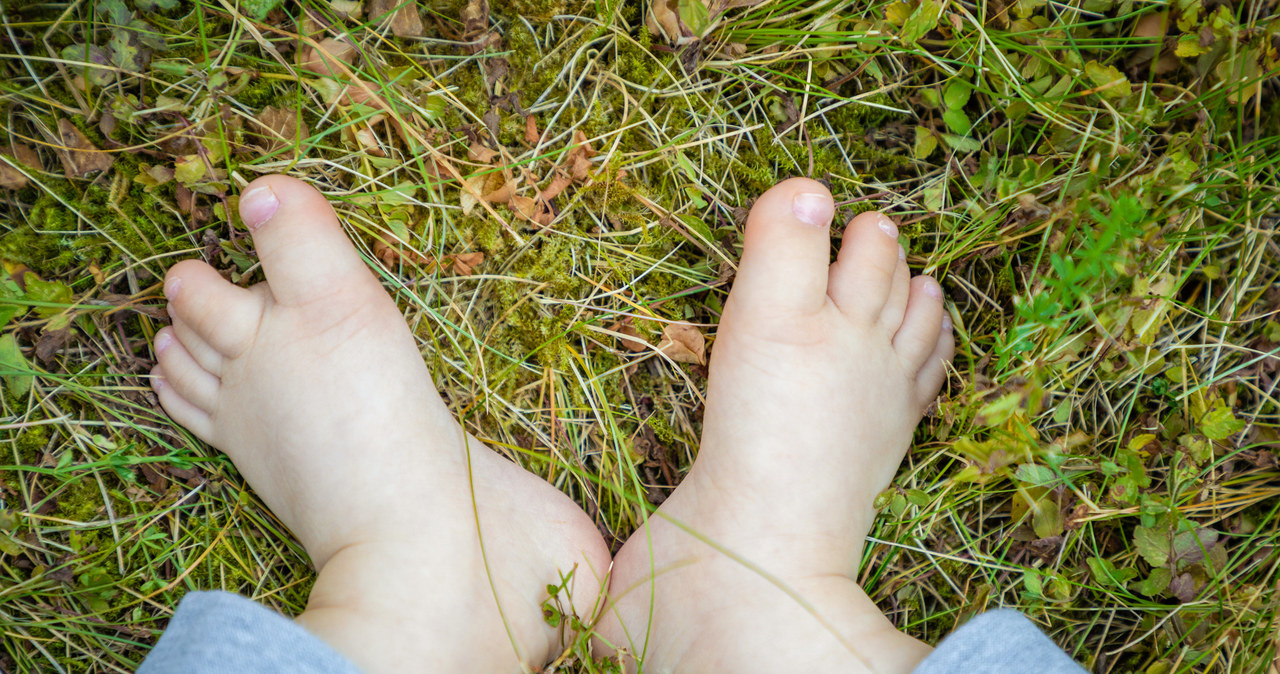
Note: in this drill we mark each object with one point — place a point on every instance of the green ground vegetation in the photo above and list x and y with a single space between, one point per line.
545 184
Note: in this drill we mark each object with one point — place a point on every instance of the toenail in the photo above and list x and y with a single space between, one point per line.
946 323
902 253
171 288
157 381
933 289
163 340
257 206
886 225
813 208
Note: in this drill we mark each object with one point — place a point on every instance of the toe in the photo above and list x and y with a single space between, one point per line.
222 315
787 250
183 373
918 336
305 254
896 304
180 409
934 372
862 279
208 357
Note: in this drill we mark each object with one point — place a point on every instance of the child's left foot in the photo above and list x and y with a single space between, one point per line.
314 386
820 373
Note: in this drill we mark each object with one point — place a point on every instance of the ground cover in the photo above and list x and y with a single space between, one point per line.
555 190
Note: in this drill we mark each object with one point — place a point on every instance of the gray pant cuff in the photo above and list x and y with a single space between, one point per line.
999 642
223 633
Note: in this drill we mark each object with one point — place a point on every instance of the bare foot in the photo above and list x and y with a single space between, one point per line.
314 386
819 375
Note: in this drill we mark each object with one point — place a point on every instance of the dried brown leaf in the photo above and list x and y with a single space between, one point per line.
79 156
464 264
525 207
480 153
50 343
325 57
580 167
684 343
503 194
558 183
475 19
405 22
663 21
10 177
280 128
531 135
632 342
472 190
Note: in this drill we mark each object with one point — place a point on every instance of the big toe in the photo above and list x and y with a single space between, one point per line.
304 252
787 250
864 275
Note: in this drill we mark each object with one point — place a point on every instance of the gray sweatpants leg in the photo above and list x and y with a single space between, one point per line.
999 642
222 633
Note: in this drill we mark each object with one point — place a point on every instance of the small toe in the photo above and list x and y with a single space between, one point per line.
305 254
896 304
862 278
934 371
209 358
222 315
183 373
922 322
180 409
787 250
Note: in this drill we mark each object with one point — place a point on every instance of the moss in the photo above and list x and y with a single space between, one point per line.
537 11
262 92
130 221
79 500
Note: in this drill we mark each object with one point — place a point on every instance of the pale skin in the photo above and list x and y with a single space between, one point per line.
434 553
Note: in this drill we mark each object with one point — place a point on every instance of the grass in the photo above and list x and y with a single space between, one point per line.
1093 181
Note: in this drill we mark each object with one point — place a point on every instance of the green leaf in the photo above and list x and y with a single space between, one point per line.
1031 580
1108 80
127 52
51 292
961 143
1105 572
190 169
1189 47
956 94
919 498
926 143
921 21
897 13
14 368
113 12
154 5
694 15
258 9
1219 423
699 227
1155 583
1025 8
1035 475
957 121
80 54
148 35
10 291
1152 544
1046 517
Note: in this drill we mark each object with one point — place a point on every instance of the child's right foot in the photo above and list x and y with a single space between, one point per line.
818 377
314 386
